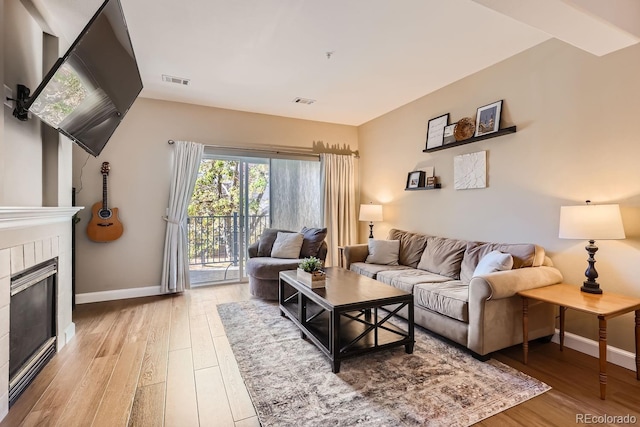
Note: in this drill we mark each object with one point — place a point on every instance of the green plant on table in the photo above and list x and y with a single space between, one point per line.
311 264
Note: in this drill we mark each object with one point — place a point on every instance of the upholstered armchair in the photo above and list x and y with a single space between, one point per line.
280 250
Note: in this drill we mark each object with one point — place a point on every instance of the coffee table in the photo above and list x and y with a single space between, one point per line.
342 319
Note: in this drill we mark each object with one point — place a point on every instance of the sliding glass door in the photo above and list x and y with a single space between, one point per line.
235 199
230 205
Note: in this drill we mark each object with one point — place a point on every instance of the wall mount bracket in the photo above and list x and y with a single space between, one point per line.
21 110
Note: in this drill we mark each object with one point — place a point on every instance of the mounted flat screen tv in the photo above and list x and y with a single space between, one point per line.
90 89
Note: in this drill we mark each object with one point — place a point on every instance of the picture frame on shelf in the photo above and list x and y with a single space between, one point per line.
415 179
435 131
488 118
448 135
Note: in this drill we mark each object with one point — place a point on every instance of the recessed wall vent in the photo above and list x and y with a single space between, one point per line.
176 80
304 101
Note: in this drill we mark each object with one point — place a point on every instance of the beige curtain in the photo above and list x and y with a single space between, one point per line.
338 181
175 268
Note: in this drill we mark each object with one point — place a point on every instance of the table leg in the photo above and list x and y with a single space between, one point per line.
563 310
525 329
638 344
408 348
302 313
335 341
603 355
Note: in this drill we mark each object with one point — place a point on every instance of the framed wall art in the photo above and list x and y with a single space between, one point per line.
488 118
448 134
415 179
435 131
470 171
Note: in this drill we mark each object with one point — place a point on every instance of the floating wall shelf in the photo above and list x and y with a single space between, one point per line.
431 187
501 132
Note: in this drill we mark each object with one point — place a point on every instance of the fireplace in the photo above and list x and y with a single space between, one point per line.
32 330
33 237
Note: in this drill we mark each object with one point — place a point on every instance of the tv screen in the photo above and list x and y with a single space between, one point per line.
89 90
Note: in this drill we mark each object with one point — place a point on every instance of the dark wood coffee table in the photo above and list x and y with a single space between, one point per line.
342 318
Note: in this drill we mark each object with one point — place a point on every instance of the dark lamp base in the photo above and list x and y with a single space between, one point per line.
590 285
591 288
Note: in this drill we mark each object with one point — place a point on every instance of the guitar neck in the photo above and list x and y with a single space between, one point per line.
104 191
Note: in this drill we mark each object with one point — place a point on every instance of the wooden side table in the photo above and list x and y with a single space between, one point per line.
605 306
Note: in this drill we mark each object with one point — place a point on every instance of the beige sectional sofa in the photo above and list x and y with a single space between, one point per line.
481 312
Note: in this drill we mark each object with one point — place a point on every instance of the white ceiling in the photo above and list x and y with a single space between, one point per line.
258 55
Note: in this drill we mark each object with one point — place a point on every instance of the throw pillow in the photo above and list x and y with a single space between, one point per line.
383 252
267 238
443 256
287 245
492 262
411 246
313 238
265 244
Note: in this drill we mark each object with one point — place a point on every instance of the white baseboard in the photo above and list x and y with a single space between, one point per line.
90 297
617 356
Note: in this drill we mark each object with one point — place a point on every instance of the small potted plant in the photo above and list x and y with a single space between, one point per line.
310 272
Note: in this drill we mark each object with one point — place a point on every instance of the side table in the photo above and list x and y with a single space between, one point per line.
605 306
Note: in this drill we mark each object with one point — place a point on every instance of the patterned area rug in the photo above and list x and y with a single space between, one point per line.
291 383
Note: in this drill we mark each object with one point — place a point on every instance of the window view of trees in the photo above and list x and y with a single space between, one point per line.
214 212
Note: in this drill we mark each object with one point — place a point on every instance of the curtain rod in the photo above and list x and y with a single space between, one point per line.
273 151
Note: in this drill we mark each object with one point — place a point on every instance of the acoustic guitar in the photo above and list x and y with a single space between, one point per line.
105 226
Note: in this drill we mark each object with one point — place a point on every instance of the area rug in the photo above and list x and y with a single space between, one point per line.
291 384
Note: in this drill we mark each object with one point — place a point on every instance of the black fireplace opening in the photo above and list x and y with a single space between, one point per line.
32 332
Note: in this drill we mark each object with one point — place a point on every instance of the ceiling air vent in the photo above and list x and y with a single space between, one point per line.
304 101
176 80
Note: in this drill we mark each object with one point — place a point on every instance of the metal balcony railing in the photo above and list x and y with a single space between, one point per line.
215 239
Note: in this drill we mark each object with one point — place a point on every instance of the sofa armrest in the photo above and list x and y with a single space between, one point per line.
252 250
504 284
355 253
495 312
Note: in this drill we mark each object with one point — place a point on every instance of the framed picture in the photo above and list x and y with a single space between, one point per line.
415 179
435 131
488 118
448 136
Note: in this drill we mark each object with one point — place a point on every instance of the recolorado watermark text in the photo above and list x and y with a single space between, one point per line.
605 419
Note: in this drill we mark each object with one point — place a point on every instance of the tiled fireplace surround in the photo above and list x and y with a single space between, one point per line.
29 236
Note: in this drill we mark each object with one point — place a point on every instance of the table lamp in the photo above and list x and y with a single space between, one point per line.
591 222
370 213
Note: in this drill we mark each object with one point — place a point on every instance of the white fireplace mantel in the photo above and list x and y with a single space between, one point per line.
19 217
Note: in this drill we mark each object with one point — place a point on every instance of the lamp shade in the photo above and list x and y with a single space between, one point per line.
591 222
370 213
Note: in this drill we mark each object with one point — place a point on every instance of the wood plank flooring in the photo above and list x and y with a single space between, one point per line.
166 361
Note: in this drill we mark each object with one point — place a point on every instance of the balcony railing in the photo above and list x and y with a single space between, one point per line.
216 239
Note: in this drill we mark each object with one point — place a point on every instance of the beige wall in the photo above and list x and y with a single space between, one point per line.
141 162
577 139
22 145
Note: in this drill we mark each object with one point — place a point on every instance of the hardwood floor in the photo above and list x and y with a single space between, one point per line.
165 361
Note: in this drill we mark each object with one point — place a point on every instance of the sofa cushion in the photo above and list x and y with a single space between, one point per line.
411 246
383 252
313 238
287 245
267 268
448 298
443 256
407 279
267 238
524 255
371 270
492 262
